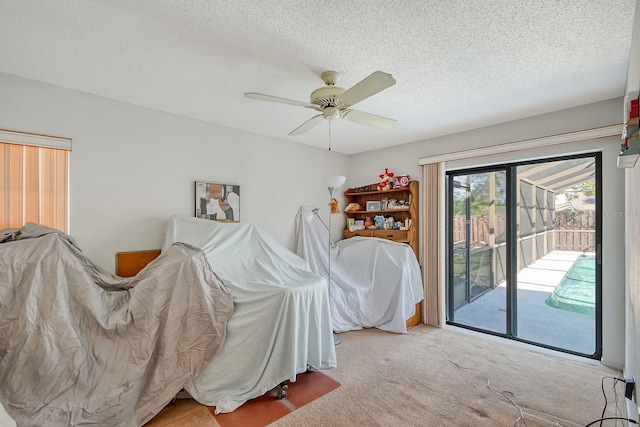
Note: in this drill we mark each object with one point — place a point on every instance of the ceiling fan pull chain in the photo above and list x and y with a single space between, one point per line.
329 135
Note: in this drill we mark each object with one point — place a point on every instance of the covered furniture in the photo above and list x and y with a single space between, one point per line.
281 324
79 346
375 283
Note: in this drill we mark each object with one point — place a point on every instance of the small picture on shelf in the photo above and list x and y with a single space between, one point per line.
383 204
373 205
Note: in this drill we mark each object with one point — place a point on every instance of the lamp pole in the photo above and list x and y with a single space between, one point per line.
336 338
333 183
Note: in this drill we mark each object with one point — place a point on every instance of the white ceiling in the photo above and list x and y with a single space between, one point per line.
459 64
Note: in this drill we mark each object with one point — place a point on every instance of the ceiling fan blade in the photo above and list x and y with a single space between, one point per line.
263 97
369 86
308 125
368 119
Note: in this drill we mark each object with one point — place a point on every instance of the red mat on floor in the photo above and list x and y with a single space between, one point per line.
266 409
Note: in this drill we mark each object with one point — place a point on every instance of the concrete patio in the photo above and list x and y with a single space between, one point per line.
537 321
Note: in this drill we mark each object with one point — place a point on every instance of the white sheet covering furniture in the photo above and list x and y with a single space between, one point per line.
5 419
375 283
79 346
281 323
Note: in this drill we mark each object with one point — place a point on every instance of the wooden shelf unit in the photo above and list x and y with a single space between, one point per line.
409 236
409 193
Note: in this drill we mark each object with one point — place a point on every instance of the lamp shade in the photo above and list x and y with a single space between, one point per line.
307 215
335 181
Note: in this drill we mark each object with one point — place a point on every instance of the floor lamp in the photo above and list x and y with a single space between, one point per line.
308 216
333 183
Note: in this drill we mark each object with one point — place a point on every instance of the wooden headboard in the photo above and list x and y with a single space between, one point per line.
128 264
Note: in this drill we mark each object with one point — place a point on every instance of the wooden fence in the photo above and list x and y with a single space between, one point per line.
575 240
480 231
572 231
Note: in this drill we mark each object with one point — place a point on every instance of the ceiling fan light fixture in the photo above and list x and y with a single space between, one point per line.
330 113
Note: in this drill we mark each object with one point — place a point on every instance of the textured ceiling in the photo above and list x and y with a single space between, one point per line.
459 64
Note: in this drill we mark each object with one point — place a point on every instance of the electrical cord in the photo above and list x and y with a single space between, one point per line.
606 403
600 420
506 394
509 396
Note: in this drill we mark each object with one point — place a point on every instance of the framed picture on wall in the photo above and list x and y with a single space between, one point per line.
217 202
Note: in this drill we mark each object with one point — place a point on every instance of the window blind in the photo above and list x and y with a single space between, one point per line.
34 185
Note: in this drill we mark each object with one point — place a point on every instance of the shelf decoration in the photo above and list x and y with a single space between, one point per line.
386 180
335 206
401 181
630 148
352 207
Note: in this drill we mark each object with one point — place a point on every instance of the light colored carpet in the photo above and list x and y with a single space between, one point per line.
439 377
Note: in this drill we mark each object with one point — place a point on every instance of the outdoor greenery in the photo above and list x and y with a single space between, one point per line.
479 185
481 277
589 188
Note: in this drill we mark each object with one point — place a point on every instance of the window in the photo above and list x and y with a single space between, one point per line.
34 180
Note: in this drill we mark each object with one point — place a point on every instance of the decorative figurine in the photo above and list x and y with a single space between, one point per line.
367 222
335 206
385 180
401 181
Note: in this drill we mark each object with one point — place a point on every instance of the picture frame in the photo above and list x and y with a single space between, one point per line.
383 203
217 201
373 205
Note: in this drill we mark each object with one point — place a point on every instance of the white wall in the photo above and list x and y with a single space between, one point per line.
632 230
133 167
632 260
365 168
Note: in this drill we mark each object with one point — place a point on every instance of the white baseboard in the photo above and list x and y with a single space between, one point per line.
632 408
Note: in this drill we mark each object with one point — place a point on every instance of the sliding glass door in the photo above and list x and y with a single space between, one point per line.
523 246
477 203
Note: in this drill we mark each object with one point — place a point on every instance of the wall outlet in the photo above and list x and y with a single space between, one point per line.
629 387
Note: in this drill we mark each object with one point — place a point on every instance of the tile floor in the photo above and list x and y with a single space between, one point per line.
257 412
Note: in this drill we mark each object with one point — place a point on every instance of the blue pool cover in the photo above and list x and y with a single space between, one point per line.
577 290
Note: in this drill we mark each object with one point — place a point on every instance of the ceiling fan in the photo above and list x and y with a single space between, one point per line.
333 101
